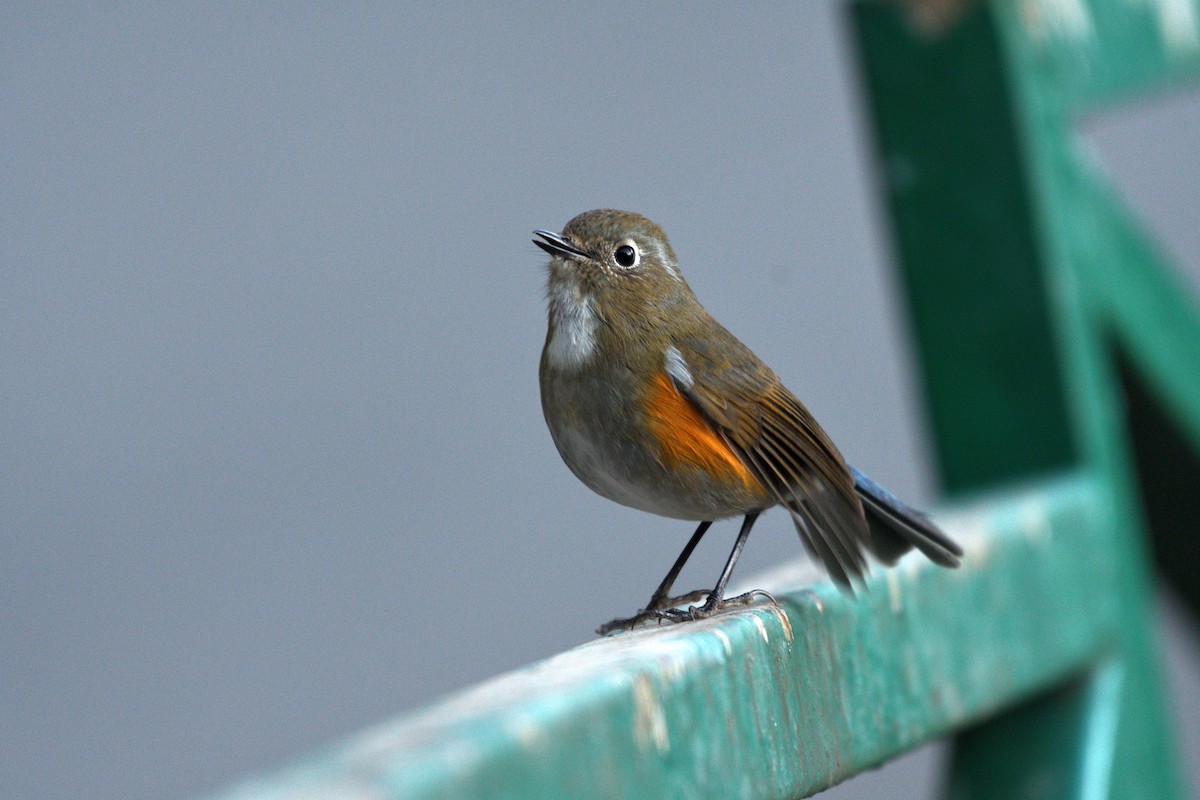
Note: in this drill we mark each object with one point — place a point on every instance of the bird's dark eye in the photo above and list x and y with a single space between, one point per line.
626 255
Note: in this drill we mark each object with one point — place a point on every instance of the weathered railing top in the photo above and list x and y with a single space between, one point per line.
786 699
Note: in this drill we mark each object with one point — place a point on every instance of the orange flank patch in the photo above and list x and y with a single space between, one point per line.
686 438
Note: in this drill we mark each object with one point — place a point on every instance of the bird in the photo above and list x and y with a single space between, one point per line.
653 404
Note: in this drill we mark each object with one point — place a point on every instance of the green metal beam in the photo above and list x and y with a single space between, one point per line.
1058 274
953 173
1063 743
1097 276
770 702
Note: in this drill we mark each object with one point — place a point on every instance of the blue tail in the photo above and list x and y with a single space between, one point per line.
895 528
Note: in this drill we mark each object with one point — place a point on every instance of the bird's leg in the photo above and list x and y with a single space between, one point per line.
716 598
659 600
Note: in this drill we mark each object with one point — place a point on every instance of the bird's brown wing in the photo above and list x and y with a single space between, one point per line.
782 445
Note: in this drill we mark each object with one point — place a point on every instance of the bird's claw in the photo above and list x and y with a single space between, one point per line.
711 607
667 609
655 611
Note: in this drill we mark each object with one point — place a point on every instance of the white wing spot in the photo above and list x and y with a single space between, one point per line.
677 368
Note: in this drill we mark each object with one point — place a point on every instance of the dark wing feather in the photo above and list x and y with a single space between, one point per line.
783 446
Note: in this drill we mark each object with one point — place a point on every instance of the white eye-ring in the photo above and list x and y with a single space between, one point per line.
626 255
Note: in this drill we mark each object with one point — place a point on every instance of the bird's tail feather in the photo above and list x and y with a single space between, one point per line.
895 528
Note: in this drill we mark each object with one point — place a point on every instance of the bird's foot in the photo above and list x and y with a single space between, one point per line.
713 606
654 611
667 610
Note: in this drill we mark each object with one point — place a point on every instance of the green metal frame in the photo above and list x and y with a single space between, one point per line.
990 187
1035 302
771 702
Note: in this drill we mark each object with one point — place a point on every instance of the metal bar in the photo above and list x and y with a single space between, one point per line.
770 702
1061 743
953 175
1020 275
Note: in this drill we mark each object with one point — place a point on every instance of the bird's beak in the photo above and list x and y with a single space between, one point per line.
557 245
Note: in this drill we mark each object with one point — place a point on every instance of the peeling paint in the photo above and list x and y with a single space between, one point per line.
526 730
762 629
1046 18
785 622
894 597
649 720
724 638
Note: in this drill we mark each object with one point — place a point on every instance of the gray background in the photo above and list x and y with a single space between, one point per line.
273 459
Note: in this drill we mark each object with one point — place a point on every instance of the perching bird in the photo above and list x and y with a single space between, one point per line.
653 404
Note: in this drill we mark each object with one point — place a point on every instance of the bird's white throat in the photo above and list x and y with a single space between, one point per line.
573 322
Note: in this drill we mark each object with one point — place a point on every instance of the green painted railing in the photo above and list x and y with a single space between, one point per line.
1060 360
1033 296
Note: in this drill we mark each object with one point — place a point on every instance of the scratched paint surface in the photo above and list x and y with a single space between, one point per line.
767 702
